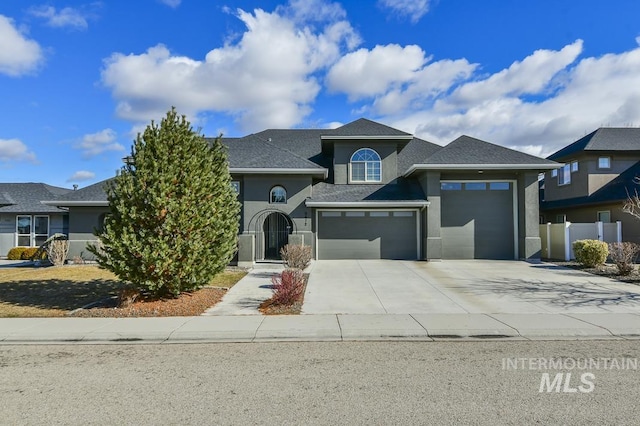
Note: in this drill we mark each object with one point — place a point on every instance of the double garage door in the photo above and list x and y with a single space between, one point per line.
477 220
374 234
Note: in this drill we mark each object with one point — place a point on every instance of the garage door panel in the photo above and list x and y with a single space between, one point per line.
374 235
477 224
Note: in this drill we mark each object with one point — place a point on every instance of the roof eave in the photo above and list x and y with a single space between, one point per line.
75 203
417 167
278 171
367 204
366 137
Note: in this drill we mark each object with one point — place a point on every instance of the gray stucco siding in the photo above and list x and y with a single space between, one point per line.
344 150
255 197
383 234
82 223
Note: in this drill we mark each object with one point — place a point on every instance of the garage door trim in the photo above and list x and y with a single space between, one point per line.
391 210
514 208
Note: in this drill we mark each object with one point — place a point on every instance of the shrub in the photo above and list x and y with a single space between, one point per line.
590 253
29 252
287 287
296 256
624 256
16 253
57 251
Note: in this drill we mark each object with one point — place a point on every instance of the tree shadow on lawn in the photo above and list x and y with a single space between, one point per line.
58 294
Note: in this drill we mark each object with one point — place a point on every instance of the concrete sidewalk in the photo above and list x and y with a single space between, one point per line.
330 327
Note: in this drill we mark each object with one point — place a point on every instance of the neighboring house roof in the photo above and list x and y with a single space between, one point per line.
28 197
615 191
92 195
471 153
407 192
603 139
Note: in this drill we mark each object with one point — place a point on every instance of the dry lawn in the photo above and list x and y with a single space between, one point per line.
56 291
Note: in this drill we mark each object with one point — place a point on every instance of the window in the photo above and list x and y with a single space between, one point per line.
379 214
604 162
499 186
450 186
564 177
604 216
554 173
574 166
354 214
278 195
331 214
23 229
475 186
561 218
31 230
366 166
236 186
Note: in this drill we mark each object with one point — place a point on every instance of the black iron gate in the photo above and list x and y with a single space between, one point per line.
276 228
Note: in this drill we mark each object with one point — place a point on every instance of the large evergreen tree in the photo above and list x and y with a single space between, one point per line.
173 218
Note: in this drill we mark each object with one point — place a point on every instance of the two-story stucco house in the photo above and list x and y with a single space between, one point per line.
600 171
368 191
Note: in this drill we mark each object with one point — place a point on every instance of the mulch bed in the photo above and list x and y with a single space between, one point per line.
186 304
607 270
267 308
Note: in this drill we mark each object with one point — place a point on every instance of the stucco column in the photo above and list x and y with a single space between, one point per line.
433 241
529 242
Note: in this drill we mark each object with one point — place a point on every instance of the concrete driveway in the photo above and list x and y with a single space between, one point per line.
461 286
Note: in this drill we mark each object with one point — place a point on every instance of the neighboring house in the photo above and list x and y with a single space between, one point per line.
366 190
600 171
24 220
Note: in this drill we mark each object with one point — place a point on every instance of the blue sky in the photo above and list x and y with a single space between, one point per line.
79 79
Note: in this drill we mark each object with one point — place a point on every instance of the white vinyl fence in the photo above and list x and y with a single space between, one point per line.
557 238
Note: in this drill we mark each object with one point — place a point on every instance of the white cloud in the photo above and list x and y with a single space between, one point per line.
15 150
395 77
19 55
171 3
81 176
267 78
538 105
96 143
412 9
65 17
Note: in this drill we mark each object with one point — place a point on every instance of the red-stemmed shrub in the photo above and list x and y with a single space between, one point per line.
287 287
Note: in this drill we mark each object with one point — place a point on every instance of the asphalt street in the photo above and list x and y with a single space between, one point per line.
444 383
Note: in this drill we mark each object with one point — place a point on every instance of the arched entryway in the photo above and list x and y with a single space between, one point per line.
276 229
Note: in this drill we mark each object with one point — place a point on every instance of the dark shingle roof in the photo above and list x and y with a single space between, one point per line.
615 191
27 197
95 192
468 150
404 190
416 151
255 151
364 127
603 139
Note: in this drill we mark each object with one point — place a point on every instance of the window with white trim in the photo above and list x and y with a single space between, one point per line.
366 166
278 195
604 216
564 176
31 230
574 166
604 162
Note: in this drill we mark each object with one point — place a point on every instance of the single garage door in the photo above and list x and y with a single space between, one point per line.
367 234
477 220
